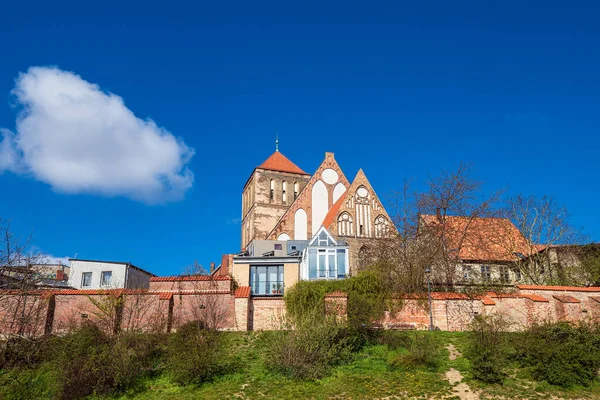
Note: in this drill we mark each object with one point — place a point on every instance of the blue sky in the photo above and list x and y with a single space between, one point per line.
511 88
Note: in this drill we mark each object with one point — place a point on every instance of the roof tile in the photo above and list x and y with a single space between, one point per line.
337 293
561 288
566 299
190 278
279 162
242 292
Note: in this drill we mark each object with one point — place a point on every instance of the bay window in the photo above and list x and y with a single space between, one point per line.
266 280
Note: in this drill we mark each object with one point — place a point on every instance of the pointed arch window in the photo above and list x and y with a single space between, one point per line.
272 192
382 226
345 227
283 192
295 190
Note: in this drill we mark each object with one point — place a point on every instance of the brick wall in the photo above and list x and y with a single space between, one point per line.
37 312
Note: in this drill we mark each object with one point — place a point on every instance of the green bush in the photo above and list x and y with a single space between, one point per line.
18 352
367 295
26 384
562 354
87 361
423 350
488 348
393 339
194 354
312 349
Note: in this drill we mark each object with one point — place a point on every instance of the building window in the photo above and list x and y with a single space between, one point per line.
466 272
345 225
517 274
272 192
381 227
283 194
105 278
326 263
504 274
295 190
86 279
266 280
486 274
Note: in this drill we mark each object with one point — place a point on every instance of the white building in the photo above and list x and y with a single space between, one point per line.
96 274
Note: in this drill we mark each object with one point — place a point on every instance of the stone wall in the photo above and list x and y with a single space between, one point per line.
44 311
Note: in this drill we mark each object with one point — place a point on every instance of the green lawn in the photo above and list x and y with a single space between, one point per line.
367 376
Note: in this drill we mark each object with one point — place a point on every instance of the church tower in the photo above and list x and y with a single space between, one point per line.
267 195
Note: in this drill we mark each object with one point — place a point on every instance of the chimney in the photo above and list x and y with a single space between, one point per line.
438 214
212 267
60 274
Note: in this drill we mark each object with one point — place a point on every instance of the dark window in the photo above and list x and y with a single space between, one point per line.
486 274
504 274
86 279
278 246
517 274
360 232
266 281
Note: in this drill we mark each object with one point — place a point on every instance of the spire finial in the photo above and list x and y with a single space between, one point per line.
276 142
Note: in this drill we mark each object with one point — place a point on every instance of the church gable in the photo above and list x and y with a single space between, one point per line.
359 213
307 213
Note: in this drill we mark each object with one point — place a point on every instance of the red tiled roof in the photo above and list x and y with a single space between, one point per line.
566 299
190 278
242 292
536 298
165 296
337 293
482 239
487 301
333 211
595 298
561 288
279 162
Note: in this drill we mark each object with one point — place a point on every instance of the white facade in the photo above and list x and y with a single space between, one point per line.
94 274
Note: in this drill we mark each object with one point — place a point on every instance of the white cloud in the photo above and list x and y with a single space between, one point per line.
80 139
50 259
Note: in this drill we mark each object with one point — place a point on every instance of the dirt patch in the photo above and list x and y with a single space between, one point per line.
462 390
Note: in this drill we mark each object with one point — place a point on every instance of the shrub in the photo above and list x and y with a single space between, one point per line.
562 354
18 352
367 294
309 351
488 348
194 354
424 350
87 361
393 339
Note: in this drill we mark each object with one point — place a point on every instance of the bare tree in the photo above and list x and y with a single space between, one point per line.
551 251
207 305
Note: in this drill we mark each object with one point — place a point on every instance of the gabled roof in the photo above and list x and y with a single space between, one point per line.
279 162
478 238
330 217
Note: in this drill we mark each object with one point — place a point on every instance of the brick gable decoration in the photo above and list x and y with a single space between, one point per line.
330 176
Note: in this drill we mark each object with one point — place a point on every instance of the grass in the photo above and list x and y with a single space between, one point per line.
369 375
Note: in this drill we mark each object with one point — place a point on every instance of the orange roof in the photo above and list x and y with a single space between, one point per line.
536 297
333 211
242 292
560 288
482 239
487 301
279 162
192 278
566 299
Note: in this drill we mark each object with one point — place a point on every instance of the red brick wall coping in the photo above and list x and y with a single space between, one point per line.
561 288
191 278
337 293
242 292
566 299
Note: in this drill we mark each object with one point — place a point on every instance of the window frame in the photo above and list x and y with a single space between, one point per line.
486 273
255 280
102 275
83 275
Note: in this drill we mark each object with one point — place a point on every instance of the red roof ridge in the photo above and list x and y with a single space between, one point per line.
187 278
335 208
279 162
566 299
561 288
242 292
